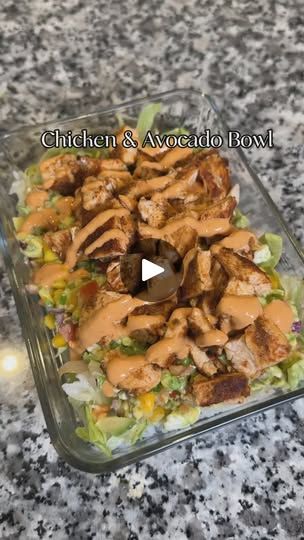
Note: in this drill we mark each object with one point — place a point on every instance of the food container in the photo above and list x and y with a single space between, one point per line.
180 108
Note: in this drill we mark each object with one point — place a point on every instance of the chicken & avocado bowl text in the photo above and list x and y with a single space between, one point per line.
232 325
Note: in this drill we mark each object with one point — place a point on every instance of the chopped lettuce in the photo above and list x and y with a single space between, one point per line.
91 433
23 210
84 389
182 417
293 368
275 294
269 255
240 220
294 290
146 119
173 382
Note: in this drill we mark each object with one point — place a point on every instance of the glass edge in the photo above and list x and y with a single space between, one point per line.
104 110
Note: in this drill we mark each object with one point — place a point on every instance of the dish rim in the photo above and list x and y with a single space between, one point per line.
136 454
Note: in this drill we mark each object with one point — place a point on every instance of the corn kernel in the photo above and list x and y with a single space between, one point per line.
59 284
58 341
158 414
147 402
49 321
49 255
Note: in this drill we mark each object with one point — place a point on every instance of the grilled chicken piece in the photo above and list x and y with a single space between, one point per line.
230 387
112 165
203 363
160 308
58 242
198 323
165 351
172 157
262 345
214 175
126 155
197 279
91 237
146 328
61 173
114 280
89 166
142 380
178 322
266 341
95 193
246 277
93 302
241 357
155 213
110 245
185 187
221 209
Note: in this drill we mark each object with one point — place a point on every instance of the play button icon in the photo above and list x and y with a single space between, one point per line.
150 270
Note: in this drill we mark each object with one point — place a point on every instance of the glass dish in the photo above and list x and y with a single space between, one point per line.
180 108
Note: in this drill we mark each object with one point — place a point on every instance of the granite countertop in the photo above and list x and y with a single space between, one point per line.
244 481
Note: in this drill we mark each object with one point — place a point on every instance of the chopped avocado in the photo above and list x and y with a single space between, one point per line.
34 247
114 425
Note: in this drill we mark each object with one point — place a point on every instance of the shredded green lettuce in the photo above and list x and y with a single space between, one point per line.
91 433
240 220
294 291
146 119
33 175
293 368
274 243
273 376
92 152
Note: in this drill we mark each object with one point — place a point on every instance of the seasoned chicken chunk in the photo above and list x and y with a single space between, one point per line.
61 173
197 279
229 387
155 213
202 361
126 155
58 242
262 346
221 209
146 328
246 277
214 174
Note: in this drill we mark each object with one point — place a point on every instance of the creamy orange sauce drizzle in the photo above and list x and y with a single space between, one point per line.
112 234
147 186
64 206
48 273
213 338
45 218
177 346
242 310
108 389
144 322
281 314
106 322
118 368
237 240
83 234
175 155
36 199
207 228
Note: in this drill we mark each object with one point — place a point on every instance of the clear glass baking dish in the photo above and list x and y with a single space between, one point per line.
191 110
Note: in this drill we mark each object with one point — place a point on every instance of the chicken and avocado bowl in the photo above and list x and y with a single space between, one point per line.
232 326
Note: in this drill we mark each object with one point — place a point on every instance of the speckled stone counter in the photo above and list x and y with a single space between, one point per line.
246 480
